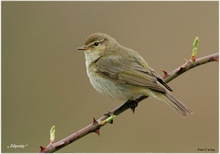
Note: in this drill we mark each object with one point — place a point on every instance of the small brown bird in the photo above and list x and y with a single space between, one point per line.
121 73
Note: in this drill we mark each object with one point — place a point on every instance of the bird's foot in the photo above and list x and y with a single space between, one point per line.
108 114
134 105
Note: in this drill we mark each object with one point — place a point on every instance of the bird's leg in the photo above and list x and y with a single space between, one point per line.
108 114
132 104
135 105
126 105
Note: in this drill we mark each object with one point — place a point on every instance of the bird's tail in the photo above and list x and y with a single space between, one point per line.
177 105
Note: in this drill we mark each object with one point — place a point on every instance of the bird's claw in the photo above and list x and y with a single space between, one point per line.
108 114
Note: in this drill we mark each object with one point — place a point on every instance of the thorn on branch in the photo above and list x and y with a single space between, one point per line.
42 148
165 73
97 132
94 123
186 60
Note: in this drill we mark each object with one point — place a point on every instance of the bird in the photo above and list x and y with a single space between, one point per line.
122 73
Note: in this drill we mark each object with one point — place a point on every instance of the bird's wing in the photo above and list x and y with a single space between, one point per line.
159 79
129 72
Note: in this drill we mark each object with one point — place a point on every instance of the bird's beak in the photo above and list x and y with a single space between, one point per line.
85 47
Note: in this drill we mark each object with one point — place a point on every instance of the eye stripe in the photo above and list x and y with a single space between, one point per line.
95 43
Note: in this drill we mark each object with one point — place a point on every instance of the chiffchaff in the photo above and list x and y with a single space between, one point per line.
121 73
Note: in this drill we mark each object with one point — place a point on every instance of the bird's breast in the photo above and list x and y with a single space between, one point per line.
108 87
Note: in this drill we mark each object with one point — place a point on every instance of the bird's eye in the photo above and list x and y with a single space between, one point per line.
96 43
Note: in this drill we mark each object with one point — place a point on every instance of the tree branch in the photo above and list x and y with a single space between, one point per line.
97 124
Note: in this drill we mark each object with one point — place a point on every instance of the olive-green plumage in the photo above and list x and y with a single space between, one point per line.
121 73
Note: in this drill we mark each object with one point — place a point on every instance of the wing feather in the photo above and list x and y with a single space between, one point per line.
129 72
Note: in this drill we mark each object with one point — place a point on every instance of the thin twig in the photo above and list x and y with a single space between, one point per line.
97 124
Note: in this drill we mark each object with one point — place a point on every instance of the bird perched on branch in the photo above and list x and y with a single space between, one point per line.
121 73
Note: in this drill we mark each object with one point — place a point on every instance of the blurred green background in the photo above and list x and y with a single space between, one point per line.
44 79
